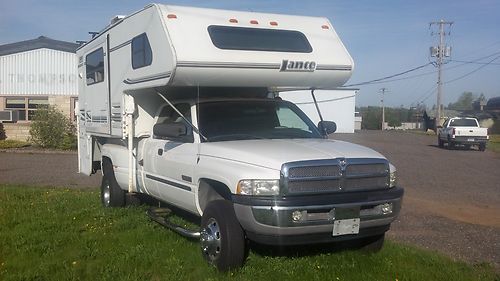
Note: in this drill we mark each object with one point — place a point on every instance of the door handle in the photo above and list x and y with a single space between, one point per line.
160 151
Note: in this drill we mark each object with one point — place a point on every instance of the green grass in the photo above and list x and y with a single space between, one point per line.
63 234
5 144
494 143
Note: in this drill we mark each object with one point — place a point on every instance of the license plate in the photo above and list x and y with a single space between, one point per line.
344 227
470 139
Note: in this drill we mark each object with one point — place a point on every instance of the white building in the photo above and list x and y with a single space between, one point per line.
335 105
33 74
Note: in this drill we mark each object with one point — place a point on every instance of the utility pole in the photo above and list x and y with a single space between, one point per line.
383 90
440 52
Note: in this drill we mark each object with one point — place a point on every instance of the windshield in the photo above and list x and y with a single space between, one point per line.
251 119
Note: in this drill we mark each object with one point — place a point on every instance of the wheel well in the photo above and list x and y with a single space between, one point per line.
210 190
106 164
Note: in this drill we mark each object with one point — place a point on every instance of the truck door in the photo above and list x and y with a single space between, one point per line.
169 165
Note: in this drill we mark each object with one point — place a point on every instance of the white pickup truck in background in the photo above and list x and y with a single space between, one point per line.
462 131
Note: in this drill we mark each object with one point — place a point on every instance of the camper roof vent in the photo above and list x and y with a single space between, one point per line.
116 19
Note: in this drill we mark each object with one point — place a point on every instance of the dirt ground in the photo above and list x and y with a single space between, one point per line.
452 197
451 203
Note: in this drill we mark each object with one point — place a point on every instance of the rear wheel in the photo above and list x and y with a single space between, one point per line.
482 147
451 145
440 142
222 239
111 193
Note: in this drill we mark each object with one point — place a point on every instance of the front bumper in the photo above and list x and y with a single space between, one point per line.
273 220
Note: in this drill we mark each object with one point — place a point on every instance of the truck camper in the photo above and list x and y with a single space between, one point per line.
182 104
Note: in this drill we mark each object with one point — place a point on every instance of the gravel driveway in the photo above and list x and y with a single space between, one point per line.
452 197
451 204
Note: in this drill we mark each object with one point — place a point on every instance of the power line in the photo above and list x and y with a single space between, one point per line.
473 71
474 62
388 77
388 80
430 94
425 94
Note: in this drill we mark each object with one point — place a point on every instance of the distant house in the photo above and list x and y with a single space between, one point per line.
33 74
486 116
493 105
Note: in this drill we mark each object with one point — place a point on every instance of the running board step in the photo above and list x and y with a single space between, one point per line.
160 215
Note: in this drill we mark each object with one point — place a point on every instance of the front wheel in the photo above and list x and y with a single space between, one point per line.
222 239
373 244
111 193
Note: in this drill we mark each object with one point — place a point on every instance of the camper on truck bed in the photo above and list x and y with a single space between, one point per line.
182 104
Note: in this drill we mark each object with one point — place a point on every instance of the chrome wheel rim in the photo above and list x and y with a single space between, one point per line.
210 240
106 194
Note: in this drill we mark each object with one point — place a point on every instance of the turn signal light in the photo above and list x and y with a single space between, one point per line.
171 16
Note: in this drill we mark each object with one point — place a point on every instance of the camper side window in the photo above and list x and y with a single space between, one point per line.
141 52
94 66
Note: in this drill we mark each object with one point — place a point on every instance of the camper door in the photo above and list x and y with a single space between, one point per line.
97 94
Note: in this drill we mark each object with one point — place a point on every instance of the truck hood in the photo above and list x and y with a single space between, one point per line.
272 153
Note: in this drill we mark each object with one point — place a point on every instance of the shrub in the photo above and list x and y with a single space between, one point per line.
8 144
495 129
51 129
2 132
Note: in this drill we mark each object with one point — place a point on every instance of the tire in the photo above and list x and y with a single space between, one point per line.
111 193
440 142
482 147
451 145
222 239
373 244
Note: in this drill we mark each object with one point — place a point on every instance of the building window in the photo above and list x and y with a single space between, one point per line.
26 106
141 52
94 63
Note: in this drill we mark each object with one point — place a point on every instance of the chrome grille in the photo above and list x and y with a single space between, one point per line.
365 169
333 175
314 171
313 186
365 183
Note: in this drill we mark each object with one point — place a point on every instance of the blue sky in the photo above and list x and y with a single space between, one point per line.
383 37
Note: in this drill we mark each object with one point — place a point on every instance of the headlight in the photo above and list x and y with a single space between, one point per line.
392 176
258 187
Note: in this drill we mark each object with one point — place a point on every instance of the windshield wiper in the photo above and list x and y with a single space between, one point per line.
230 137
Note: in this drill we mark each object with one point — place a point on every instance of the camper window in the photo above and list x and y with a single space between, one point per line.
94 63
258 39
141 52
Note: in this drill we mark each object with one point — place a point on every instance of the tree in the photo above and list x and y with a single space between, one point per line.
464 102
372 117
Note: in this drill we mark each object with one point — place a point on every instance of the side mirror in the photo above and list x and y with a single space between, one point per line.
169 130
327 127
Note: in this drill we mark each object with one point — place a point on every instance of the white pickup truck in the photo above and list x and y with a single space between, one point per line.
462 131
182 104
